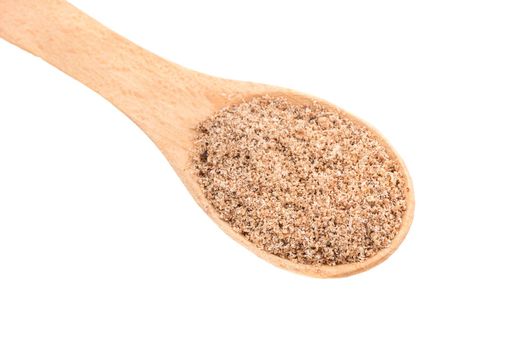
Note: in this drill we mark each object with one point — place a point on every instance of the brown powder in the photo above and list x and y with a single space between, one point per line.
301 181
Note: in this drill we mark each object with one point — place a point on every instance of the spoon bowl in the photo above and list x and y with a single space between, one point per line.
165 100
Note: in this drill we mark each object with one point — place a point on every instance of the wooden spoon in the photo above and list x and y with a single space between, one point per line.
165 100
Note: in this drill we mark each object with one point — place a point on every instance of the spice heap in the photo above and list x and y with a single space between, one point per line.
302 182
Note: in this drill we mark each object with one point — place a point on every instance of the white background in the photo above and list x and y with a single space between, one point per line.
101 247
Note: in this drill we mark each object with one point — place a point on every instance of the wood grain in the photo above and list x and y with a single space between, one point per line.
165 100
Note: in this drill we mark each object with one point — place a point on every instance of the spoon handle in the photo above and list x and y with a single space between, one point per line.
133 79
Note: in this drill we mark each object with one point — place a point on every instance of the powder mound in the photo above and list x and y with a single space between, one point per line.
301 181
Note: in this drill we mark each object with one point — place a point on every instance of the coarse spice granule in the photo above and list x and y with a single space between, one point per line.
301 181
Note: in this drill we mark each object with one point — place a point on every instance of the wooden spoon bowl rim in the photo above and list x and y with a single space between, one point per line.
320 271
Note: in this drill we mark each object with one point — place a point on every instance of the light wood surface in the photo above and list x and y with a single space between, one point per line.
164 99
